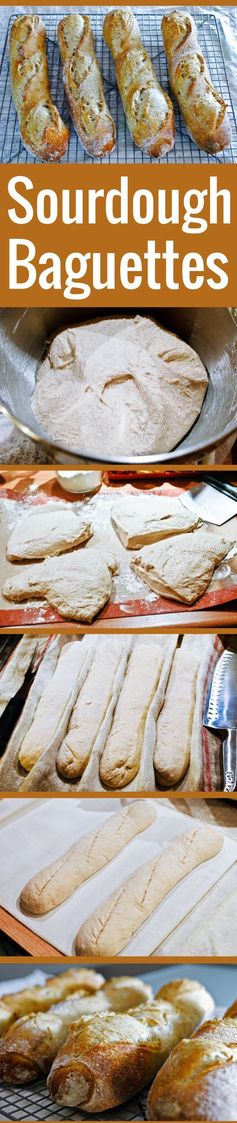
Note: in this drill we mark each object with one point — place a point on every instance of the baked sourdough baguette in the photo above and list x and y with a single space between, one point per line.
199 1079
32 999
42 131
31 1045
56 882
108 1058
109 929
149 111
203 109
84 85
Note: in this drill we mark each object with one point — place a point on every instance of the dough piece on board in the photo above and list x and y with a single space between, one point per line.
51 705
183 568
57 881
46 532
90 710
77 585
140 520
13 674
121 758
174 726
109 929
137 390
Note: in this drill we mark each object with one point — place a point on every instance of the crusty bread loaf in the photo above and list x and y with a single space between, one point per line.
199 1079
149 111
84 86
32 1043
42 131
32 999
204 111
58 881
111 926
108 1058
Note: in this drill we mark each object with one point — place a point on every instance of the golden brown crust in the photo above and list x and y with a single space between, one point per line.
148 109
42 131
84 85
199 1079
203 109
110 1057
32 999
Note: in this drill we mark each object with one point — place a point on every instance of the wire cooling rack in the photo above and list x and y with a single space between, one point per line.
216 38
33 1102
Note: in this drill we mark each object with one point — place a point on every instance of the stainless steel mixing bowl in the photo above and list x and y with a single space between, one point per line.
24 335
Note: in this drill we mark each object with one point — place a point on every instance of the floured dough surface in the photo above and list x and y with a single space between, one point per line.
175 721
51 705
181 569
89 711
77 585
140 520
46 532
12 676
132 388
217 932
121 758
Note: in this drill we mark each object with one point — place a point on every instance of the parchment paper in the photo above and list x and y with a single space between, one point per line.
31 842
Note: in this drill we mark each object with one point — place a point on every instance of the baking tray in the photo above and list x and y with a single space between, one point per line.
130 596
217 33
30 842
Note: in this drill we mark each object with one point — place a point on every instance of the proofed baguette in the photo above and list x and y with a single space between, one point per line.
199 1079
32 1043
56 882
175 721
111 926
32 999
42 131
121 758
204 111
110 1057
149 111
84 85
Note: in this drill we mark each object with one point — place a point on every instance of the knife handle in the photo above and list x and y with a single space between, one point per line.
229 749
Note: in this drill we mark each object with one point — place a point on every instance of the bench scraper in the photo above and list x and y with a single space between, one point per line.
221 714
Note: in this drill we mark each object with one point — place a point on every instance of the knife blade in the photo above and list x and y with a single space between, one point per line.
221 714
211 503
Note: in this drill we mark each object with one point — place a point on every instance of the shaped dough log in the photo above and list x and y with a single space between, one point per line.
121 758
33 1042
78 585
203 109
46 532
198 1081
182 569
108 1058
139 521
54 884
42 131
89 711
109 929
51 705
13 674
175 721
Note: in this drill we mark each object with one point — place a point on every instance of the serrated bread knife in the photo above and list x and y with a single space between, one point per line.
221 714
